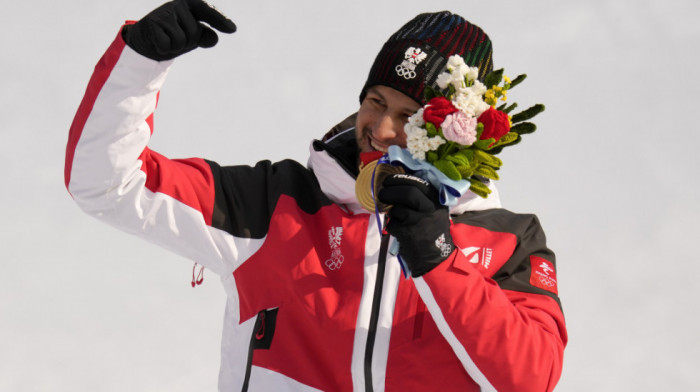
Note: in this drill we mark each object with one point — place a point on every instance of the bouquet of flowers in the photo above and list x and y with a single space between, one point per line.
453 140
462 127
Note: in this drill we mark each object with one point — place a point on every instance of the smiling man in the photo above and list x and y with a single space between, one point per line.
381 119
315 299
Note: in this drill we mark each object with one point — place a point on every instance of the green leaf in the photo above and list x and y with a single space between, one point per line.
430 93
486 171
432 131
506 139
468 153
488 159
493 78
448 168
517 80
458 159
484 144
498 148
528 113
508 109
524 128
465 171
479 130
431 156
479 188
442 149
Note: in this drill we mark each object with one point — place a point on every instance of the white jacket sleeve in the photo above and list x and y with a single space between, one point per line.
112 174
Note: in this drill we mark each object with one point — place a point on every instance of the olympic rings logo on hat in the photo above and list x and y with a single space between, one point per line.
405 72
412 57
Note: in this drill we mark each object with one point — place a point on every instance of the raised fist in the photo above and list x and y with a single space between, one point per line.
175 28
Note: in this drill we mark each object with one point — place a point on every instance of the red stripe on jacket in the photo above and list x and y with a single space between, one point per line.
99 77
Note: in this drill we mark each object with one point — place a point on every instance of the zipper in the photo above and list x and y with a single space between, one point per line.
374 315
261 338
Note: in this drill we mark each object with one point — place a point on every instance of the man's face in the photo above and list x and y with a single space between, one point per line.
381 118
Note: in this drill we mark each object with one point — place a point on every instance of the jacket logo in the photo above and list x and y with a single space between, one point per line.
445 248
478 255
335 236
412 57
543 274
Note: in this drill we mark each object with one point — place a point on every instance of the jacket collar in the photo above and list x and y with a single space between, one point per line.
334 162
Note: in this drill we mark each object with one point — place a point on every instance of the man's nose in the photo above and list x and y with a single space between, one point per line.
385 128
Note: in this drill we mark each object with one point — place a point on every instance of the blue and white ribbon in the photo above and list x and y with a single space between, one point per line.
448 189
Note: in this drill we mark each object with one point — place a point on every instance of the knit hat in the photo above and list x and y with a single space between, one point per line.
417 53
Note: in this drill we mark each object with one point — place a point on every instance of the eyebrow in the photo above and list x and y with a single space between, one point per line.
373 90
405 109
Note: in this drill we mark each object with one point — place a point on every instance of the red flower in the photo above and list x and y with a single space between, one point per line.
496 124
437 109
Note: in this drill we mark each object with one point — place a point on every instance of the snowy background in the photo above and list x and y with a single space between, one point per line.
611 171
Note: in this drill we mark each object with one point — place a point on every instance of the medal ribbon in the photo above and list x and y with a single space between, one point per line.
394 248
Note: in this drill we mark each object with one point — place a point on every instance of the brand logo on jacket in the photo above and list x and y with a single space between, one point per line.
412 57
335 236
479 255
543 274
487 251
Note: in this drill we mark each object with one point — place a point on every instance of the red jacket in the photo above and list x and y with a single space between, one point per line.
315 302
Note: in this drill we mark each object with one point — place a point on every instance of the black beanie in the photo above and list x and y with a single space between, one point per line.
415 55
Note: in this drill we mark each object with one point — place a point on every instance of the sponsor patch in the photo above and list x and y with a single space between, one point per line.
542 274
483 249
479 256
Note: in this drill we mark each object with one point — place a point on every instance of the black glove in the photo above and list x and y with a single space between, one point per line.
418 221
175 28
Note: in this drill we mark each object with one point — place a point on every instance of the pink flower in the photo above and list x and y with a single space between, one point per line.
459 128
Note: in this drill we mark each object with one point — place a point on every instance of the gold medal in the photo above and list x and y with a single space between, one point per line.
364 186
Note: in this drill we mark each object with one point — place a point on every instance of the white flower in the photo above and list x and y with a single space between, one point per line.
480 107
454 78
466 103
418 142
458 76
419 155
435 142
417 147
414 132
455 62
473 73
416 119
478 88
443 80
459 70
470 99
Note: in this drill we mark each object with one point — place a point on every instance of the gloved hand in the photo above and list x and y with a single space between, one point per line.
418 221
175 28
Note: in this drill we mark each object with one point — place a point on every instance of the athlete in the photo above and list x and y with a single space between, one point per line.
315 298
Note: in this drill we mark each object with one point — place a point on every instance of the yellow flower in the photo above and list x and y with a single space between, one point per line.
490 97
506 79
